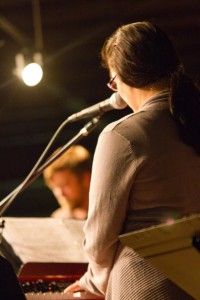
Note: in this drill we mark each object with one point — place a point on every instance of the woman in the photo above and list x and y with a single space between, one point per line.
146 166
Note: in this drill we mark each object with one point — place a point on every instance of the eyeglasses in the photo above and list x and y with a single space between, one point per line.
112 84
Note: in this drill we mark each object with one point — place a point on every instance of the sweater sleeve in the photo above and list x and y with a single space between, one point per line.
112 177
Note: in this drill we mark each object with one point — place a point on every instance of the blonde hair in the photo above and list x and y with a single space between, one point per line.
76 159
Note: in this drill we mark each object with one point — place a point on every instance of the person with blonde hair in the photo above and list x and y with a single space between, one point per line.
68 177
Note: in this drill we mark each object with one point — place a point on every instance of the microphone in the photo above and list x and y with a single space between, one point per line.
114 102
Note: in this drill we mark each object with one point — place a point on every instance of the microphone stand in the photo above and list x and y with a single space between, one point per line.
7 201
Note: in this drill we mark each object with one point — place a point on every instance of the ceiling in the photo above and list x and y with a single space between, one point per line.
70 41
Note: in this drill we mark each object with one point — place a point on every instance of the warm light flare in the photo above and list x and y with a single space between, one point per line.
32 74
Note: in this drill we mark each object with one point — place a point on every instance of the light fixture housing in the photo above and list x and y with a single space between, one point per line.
29 70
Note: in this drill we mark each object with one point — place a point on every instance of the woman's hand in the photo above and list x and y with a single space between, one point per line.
75 287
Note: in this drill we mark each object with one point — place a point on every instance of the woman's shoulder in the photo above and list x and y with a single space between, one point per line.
118 123
128 123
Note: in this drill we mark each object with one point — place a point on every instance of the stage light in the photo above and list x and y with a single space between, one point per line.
30 72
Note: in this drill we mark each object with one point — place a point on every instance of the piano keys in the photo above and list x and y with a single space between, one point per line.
47 281
58 296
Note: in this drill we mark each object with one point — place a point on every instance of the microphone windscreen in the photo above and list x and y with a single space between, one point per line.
117 102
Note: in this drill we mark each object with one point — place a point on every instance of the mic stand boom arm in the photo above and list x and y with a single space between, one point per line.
7 201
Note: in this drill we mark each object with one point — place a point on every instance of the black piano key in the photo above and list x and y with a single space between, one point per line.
45 286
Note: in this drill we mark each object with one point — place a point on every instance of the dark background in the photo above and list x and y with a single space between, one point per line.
72 33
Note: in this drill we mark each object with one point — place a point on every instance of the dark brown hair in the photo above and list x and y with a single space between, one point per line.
142 55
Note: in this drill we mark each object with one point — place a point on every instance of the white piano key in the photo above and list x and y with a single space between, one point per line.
61 296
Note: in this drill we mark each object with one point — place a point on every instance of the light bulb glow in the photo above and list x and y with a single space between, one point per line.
32 74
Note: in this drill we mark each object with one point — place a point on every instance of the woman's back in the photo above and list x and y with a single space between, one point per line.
165 171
